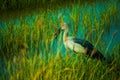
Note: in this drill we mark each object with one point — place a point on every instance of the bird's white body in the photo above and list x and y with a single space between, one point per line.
74 46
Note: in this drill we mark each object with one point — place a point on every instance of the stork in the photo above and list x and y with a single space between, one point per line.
79 45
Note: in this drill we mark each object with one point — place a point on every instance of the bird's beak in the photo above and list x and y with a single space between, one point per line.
58 30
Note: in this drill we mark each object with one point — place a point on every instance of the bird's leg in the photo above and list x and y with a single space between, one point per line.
86 50
93 52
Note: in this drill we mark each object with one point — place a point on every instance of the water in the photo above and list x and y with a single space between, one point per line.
96 11
108 32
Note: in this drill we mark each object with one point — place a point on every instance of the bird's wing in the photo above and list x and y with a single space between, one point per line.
75 47
84 43
95 53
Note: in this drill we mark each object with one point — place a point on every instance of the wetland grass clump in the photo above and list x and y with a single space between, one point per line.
26 49
61 68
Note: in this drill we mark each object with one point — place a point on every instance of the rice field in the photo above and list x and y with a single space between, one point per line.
29 50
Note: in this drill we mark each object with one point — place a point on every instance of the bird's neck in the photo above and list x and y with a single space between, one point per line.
65 35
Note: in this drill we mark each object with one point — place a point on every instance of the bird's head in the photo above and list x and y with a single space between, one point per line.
64 26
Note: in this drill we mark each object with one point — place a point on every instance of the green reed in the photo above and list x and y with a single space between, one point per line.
27 51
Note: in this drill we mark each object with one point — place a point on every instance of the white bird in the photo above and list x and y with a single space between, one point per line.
79 45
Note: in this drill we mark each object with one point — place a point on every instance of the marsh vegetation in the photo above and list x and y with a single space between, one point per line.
28 49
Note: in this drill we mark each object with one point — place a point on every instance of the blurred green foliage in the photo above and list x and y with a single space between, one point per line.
26 50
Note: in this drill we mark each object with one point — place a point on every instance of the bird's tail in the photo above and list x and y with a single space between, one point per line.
98 55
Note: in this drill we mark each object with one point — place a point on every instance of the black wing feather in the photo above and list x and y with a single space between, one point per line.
90 47
84 43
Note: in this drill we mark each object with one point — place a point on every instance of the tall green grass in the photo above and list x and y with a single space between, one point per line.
27 50
60 68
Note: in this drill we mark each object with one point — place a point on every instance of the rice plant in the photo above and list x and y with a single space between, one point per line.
29 50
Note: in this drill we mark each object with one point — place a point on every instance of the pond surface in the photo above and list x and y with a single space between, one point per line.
96 11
